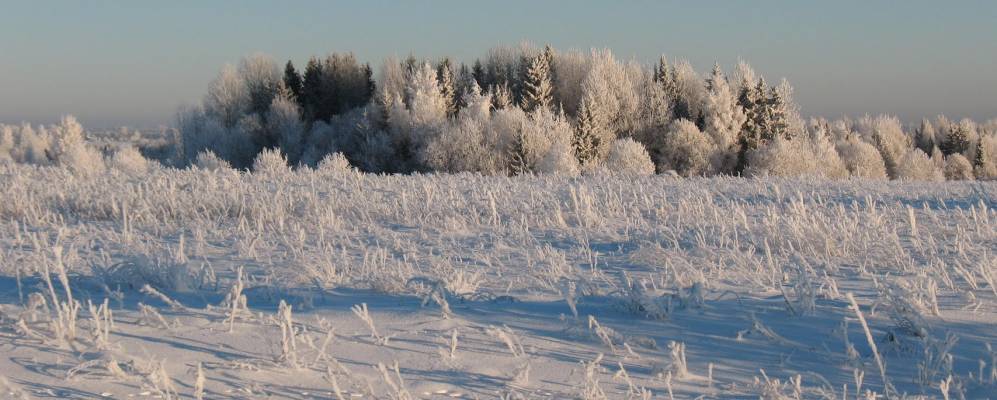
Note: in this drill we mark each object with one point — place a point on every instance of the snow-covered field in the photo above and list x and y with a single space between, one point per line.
335 284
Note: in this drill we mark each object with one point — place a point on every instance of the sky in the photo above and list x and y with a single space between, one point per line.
135 62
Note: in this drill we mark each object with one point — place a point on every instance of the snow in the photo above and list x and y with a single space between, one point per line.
747 280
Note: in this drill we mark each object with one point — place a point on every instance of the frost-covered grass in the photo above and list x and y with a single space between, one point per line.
331 283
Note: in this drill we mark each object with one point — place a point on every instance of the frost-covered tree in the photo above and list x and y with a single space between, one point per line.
538 87
501 96
861 158
723 121
261 77
570 71
228 97
448 88
917 166
285 123
886 133
957 138
589 133
925 136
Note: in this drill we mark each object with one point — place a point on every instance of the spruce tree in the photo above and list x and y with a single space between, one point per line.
538 90
925 137
292 80
371 85
956 141
311 89
979 159
586 136
445 77
518 162
777 119
478 72
501 96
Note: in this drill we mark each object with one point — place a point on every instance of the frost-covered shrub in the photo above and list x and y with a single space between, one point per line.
629 157
781 157
334 164
958 168
916 166
861 159
559 160
129 159
686 150
270 162
82 160
207 160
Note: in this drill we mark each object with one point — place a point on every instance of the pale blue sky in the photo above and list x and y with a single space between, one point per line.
134 62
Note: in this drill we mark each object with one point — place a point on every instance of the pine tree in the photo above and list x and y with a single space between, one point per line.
292 80
754 102
445 76
586 136
538 90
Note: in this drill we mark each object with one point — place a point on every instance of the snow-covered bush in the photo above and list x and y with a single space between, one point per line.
559 160
916 166
958 168
686 150
270 162
334 164
629 157
129 159
810 155
861 158
208 160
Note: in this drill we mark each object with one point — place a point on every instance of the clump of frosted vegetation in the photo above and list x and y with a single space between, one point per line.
799 156
207 160
271 162
958 168
686 150
861 158
129 159
914 165
335 163
626 156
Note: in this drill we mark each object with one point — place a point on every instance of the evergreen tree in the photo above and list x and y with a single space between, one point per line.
980 158
445 76
369 77
586 136
292 81
956 140
776 118
478 73
925 136
311 89
538 90
518 159
501 96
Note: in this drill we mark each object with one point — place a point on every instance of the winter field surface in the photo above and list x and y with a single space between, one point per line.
330 283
